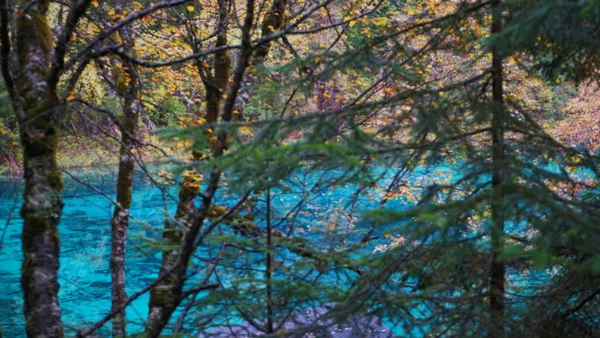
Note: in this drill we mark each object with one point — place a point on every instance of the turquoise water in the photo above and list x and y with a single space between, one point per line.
85 252
84 275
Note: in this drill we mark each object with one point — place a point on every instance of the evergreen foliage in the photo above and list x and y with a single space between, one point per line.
339 160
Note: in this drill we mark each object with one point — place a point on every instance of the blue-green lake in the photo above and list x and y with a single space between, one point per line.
84 274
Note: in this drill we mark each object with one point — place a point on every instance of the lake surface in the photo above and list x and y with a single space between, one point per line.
84 275
85 251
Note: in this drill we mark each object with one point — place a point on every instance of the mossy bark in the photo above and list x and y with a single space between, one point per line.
190 240
42 204
172 236
120 219
127 80
215 84
274 20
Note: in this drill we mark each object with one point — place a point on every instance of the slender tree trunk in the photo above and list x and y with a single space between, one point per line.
120 219
172 236
31 78
175 292
215 86
42 204
498 177
127 82
273 21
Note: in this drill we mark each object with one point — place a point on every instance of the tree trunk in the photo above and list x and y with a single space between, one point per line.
174 294
120 219
273 21
42 204
215 86
127 82
172 236
166 295
498 177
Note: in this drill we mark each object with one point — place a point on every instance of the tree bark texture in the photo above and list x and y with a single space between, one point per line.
127 87
273 21
39 111
215 84
172 236
175 292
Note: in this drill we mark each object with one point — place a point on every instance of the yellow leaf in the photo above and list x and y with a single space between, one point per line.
95 3
190 9
245 129
70 96
380 21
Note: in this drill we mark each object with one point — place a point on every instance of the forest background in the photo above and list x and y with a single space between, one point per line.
460 135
